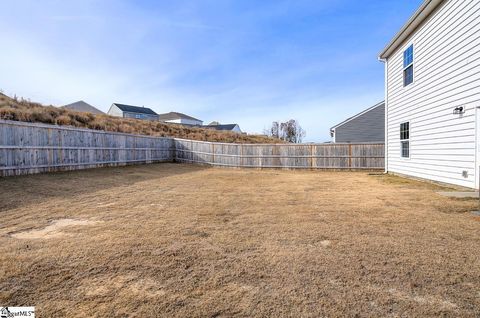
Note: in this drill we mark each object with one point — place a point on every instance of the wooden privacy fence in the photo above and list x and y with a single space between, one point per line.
27 148
289 156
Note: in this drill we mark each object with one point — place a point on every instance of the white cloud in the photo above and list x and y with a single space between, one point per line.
217 62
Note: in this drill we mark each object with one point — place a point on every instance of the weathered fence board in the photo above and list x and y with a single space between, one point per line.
27 148
289 156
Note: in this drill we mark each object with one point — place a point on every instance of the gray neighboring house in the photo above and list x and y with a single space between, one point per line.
84 107
367 126
225 127
129 111
179 118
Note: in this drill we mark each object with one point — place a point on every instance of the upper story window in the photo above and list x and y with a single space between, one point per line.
405 140
408 66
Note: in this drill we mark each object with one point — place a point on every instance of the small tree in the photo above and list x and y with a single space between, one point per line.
289 131
275 130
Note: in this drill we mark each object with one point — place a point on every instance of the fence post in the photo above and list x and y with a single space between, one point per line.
134 148
261 156
350 156
213 153
241 161
191 151
311 156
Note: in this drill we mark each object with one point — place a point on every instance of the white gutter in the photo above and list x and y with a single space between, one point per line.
385 61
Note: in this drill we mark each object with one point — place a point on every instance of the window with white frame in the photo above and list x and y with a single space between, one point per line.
408 66
405 140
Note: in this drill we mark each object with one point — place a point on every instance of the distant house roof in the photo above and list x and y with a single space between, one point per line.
82 106
381 104
222 127
175 115
135 109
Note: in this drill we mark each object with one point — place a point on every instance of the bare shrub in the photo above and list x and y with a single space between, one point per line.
126 128
64 120
81 117
21 109
43 117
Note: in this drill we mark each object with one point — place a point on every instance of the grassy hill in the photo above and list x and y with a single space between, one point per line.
24 110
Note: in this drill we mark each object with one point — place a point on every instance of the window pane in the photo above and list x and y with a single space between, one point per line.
408 56
405 131
408 75
405 151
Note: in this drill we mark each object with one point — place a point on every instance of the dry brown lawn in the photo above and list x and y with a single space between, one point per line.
189 241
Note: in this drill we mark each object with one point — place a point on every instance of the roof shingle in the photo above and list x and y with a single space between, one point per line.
135 109
175 115
81 106
222 127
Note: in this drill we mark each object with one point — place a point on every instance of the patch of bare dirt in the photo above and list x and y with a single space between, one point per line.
122 284
57 228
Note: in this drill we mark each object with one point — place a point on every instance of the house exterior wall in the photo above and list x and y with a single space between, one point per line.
237 129
185 121
367 127
140 116
446 76
115 111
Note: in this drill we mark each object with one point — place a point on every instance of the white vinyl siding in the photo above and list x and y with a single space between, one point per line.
115 111
237 129
185 121
447 75
367 126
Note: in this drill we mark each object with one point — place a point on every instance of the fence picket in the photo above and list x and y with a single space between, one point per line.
27 148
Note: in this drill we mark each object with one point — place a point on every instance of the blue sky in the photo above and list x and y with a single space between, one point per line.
243 61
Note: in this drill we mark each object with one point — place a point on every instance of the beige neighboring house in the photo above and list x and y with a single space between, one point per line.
130 111
179 118
84 107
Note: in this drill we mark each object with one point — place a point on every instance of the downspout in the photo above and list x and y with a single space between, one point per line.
385 61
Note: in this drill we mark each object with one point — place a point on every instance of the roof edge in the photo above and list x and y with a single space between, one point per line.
358 115
180 116
221 125
121 107
422 13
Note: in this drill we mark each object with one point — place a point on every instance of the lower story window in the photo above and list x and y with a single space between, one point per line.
405 140
405 149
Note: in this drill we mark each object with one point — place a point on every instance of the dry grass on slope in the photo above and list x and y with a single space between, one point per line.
24 110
